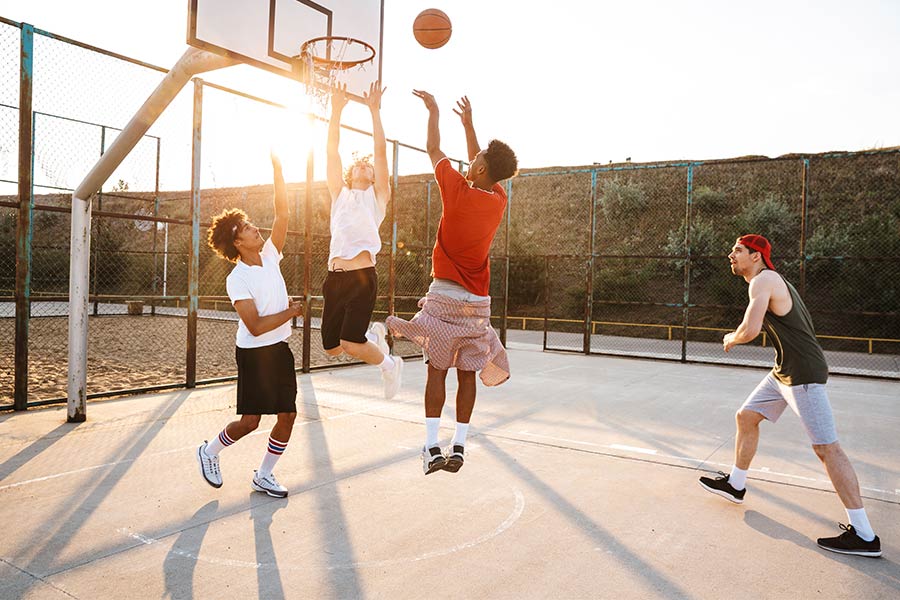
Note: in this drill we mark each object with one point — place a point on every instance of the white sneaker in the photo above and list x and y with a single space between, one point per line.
268 485
392 378
209 467
377 334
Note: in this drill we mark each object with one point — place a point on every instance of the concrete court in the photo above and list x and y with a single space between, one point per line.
580 483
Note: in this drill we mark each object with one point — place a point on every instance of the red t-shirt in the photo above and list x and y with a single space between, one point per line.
469 221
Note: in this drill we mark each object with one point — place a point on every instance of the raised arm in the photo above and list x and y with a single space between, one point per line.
382 179
282 213
433 139
335 170
465 115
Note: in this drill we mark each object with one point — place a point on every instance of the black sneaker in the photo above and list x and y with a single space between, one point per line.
721 487
432 459
455 458
849 542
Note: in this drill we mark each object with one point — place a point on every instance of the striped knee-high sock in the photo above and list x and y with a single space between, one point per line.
222 441
273 453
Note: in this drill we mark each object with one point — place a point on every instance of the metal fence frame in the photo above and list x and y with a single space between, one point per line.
500 256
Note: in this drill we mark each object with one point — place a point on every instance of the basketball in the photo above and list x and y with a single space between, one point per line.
432 28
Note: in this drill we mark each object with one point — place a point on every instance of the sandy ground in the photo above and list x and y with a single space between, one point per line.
127 352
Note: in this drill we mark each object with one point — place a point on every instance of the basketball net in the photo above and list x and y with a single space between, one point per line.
329 63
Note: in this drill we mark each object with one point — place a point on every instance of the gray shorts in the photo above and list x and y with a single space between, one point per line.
809 401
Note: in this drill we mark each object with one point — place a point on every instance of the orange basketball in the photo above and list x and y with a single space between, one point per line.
432 28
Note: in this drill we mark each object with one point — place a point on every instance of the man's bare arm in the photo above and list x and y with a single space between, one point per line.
282 213
465 116
382 178
256 325
335 170
760 292
433 138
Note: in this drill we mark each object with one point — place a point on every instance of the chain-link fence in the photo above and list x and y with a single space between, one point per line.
625 259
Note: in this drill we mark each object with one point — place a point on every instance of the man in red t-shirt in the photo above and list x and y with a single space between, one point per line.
454 323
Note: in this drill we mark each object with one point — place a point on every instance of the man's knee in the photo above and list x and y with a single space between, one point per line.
827 451
465 376
351 348
250 422
748 419
287 418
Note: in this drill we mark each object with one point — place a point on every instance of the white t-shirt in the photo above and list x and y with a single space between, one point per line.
265 286
356 216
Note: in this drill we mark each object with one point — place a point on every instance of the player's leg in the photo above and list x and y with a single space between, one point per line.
435 395
465 403
332 315
764 402
282 401
811 404
361 292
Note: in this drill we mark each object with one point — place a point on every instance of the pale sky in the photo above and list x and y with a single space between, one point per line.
575 82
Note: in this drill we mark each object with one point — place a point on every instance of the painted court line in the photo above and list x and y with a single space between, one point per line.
514 516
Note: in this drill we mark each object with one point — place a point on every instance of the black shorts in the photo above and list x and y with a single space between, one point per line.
267 382
349 301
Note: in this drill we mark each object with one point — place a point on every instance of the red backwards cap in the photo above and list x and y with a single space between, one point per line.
760 244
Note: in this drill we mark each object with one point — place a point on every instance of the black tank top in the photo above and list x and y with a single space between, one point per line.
798 356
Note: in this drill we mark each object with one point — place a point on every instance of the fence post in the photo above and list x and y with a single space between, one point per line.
589 301
427 261
392 261
505 309
194 265
804 199
24 223
546 296
95 246
307 250
155 230
687 261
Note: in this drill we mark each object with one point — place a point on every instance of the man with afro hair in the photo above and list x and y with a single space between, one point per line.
267 381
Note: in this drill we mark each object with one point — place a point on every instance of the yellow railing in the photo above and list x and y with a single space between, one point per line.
668 328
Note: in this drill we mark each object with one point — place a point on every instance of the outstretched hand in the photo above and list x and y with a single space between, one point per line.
427 98
465 111
339 98
373 97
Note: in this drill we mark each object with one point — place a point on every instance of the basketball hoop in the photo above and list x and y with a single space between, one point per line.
328 59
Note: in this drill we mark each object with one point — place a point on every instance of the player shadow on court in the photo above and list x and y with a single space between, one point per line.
72 517
334 527
20 458
181 560
268 577
883 570
666 587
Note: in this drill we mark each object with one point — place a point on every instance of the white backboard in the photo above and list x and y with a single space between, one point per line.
267 33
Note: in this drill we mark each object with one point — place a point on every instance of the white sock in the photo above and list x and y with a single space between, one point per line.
738 478
432 426
387 364
459 436
860 522
273 453
219 443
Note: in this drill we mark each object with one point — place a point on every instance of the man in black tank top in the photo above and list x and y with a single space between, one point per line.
798 380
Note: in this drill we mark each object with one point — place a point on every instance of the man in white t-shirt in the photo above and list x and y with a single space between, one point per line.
267 381
359 198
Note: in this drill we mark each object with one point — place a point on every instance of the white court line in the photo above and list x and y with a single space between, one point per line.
558 439
632 449
150 455
506 524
